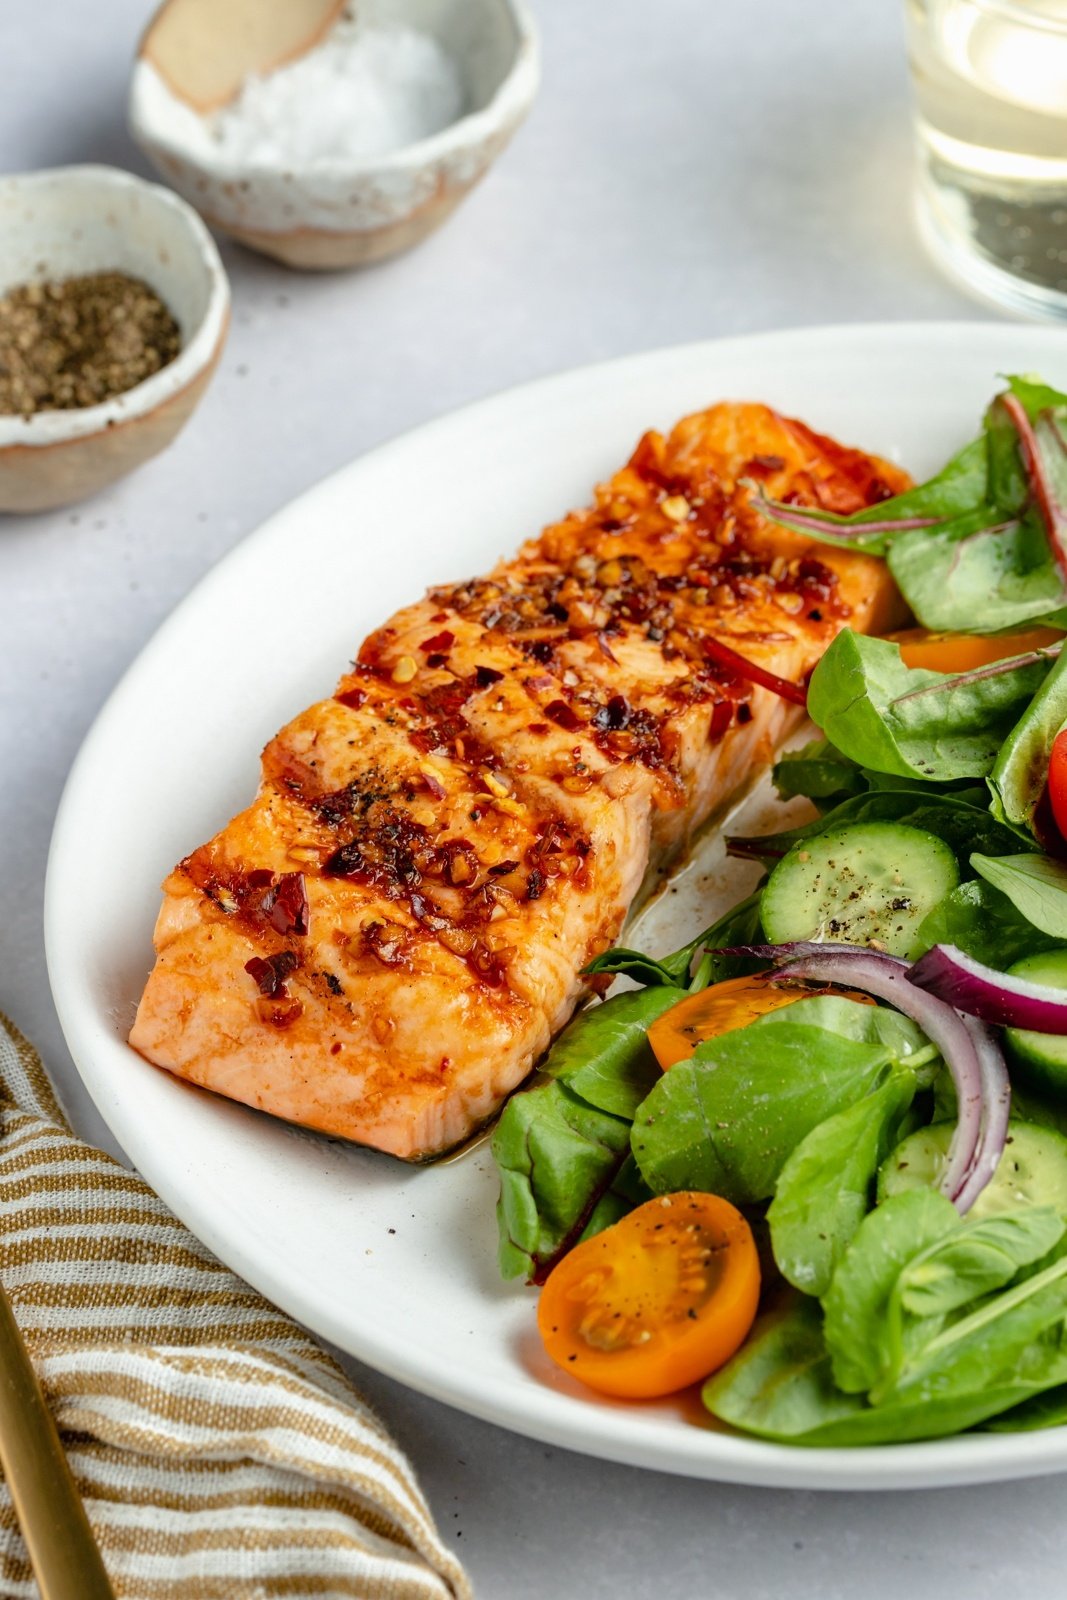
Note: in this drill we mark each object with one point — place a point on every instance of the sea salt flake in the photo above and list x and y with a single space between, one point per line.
361 93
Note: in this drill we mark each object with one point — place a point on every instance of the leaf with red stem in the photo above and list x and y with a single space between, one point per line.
1045 459
721 653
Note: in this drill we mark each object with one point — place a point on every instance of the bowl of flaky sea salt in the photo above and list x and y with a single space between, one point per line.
325 133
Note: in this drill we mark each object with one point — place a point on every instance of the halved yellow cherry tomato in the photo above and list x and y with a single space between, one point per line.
965 652
725 1006
655 1302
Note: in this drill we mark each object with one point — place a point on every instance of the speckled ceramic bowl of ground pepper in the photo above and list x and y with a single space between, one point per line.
72 222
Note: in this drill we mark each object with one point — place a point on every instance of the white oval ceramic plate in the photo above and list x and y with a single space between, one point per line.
397 1265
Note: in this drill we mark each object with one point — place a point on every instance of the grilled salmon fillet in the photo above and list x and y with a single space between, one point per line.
383 944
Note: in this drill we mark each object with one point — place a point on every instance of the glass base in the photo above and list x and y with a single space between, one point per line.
955 252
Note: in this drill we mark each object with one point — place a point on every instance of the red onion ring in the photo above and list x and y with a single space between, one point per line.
981 991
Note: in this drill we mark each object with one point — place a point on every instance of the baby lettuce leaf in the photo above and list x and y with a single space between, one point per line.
982 922
818 772
1035 885
603 1055
824 1190
960 817
780 1386
726 1120
1021 770
912 722
979 1258
556 1156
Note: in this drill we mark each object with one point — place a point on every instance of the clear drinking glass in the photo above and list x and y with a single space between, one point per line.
990 80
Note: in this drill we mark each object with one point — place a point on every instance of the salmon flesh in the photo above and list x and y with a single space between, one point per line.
385 942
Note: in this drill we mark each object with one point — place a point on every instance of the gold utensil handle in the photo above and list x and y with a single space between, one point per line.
62 1550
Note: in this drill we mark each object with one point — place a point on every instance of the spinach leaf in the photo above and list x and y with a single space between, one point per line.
625 1190
1018 1332
916 723
977 1259
824 1190
1048 1410
780 1386
905 1043
1021 771
982 922
603 1055
556 1155
1035 885
726 1120
818 772
561 1145
960 817
857 1301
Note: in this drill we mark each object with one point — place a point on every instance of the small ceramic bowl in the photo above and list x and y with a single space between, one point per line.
197 53
75 220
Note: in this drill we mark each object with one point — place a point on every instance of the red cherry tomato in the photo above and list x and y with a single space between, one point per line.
1057 781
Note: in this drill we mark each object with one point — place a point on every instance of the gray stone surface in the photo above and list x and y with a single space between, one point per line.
693 168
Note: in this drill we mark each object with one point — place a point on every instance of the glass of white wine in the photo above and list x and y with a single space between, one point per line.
990 80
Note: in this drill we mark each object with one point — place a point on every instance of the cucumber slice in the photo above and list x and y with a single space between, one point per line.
1031 1172
1041 1058
872 883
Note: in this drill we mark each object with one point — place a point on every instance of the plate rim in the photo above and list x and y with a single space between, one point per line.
553 1420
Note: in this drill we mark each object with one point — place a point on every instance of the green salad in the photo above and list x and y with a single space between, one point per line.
820 1152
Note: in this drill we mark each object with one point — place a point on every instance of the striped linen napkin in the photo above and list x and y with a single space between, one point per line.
221 1454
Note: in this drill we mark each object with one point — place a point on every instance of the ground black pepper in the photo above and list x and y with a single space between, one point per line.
80 341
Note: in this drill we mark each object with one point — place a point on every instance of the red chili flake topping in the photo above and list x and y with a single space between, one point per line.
535 884
434 785
614 716
561 714
502 868
270 972
721 717
385 941
286 906
259 878
762 466
485 677
440 641
335 1049
537 727
436 660
605 649
353 698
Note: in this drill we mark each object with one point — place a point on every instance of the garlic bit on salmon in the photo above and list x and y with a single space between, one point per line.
383 944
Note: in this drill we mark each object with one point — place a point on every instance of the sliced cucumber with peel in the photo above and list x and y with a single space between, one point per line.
872 883
1041 1058
1031 1172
